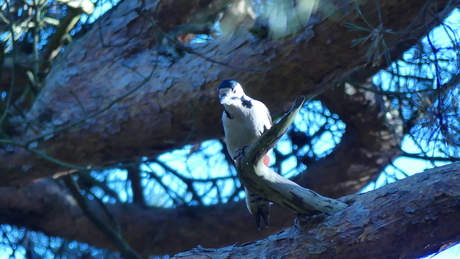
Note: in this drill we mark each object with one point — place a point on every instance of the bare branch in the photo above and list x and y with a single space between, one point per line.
430 158
115 237
264 182
134 176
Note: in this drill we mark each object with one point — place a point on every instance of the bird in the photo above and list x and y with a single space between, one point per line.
244 119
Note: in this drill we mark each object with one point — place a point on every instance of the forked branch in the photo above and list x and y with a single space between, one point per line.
264 182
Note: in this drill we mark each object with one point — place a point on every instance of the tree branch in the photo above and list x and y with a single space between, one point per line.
115 237
168 121
410 218
430 158
264 182
134 176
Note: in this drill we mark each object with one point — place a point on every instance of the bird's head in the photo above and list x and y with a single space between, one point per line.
230 91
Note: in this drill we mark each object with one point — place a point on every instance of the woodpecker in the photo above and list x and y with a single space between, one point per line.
244 120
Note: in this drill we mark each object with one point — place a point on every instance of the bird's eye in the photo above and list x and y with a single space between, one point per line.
234 90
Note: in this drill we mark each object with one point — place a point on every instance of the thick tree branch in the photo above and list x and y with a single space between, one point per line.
156 118
410 218
45 207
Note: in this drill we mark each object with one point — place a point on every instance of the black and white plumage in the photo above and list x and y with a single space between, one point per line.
244 120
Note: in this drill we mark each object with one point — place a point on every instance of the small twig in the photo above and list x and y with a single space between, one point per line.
192 130
59 162
113 236
430 158
187 181
176 198
79 103
106 210
86 182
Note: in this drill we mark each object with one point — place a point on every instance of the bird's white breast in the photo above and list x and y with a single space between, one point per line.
246 126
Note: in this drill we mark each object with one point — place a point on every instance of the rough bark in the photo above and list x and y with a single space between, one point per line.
410 218
160 116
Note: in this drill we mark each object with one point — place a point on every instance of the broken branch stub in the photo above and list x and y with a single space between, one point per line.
263 181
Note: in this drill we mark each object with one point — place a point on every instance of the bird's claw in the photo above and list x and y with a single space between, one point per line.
240 153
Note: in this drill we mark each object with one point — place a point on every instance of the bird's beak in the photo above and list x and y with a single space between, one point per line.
223 96
223 99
